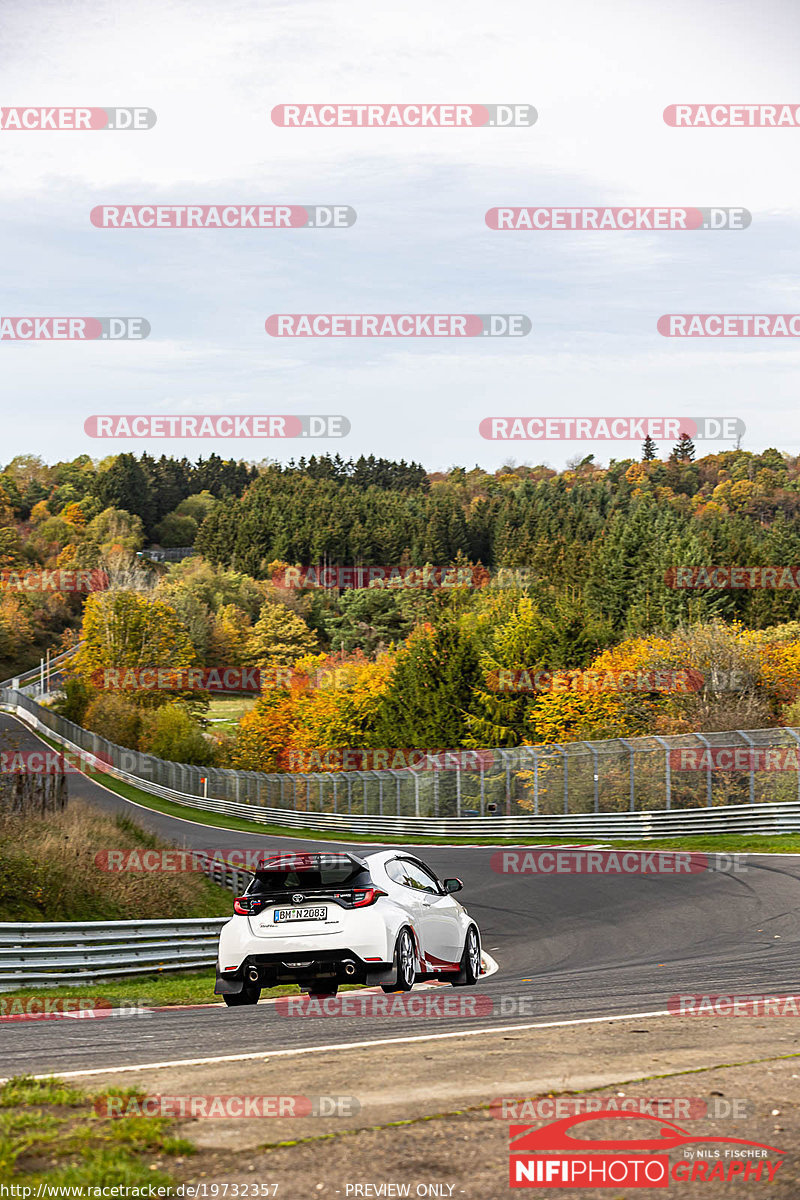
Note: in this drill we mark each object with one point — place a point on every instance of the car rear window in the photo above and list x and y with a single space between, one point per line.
346 875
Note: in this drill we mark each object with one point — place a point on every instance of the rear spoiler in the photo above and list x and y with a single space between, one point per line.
257 862
302 861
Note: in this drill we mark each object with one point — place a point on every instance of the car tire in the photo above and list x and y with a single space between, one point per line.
404 966
470 968
250 994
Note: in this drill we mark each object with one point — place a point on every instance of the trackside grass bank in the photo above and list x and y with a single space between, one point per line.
49 872
50 1134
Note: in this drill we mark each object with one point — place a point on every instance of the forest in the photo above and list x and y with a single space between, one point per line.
563 571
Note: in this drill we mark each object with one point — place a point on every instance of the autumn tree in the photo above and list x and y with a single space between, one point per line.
125 629
278 638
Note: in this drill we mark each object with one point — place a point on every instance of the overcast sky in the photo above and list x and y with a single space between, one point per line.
599 75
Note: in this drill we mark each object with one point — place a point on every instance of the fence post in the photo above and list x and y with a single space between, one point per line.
794 734
535 781
416 794
667 770
750 743
458 789
631 774
566 781
596 774
708 769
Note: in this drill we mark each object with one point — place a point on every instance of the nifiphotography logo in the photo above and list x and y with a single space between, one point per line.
551 1156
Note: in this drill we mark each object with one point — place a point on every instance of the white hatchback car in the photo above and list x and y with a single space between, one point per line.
319 920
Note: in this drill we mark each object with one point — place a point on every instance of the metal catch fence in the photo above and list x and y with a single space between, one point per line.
619 776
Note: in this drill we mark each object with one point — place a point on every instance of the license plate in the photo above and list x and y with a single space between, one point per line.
299 914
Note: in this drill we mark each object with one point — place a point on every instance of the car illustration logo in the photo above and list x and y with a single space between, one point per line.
297 898
667 1136
535 1167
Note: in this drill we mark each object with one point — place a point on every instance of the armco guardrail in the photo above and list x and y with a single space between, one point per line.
32 678
172 554
235 879
46 953
634 787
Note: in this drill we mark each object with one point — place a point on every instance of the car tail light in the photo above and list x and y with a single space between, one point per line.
246 906
362 897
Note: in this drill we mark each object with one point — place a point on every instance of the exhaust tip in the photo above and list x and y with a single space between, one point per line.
349 968
252 974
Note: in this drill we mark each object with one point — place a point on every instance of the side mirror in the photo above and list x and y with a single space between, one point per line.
452 885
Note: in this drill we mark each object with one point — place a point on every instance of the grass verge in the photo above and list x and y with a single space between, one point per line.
51 1134
145 991
52 869
165 990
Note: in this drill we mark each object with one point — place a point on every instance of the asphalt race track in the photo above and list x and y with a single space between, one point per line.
567 947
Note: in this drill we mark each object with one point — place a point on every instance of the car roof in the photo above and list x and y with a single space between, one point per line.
383 856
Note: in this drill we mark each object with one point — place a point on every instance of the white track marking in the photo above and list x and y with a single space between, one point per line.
400 1041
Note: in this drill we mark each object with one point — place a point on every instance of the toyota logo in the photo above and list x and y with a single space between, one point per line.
297 897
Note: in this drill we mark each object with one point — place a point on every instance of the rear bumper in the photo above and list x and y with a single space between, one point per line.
300 967
366 939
